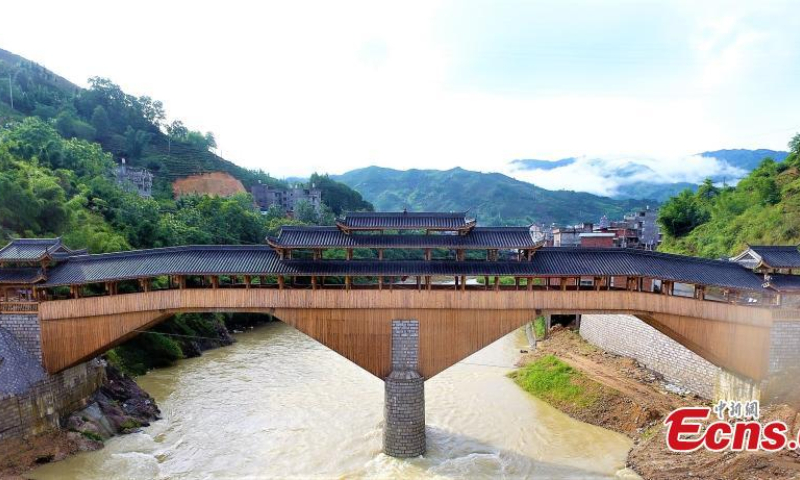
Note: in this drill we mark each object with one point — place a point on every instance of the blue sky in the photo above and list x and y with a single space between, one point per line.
297 87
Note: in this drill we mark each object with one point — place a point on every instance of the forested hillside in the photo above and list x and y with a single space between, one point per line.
763 208
496 199
59 145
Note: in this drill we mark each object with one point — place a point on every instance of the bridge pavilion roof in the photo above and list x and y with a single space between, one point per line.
477 238
777 256
784 283
454 221
262 260
21 276
35 250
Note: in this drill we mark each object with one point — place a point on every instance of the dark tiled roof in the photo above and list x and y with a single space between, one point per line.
261 260
785 283
406 220
34 249
187 260
552 262
629 262
778 256
477 238
20 275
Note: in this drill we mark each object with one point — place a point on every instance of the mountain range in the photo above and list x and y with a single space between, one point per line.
494 198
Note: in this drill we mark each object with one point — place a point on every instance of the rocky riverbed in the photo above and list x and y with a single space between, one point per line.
119 406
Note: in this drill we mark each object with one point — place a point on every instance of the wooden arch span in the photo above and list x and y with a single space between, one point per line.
453 324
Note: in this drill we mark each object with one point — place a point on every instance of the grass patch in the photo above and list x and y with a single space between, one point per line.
557 383
91 436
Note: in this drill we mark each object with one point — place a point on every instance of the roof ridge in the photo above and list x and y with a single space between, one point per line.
176 248
644 253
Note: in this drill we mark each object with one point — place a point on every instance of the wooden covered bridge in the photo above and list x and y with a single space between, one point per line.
368 284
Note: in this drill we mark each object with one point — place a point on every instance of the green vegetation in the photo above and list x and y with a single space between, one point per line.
494 198
58 145
540 327
555 382
763 208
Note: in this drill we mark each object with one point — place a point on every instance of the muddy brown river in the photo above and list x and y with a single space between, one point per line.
279 405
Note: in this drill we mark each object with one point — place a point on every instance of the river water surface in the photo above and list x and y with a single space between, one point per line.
279 405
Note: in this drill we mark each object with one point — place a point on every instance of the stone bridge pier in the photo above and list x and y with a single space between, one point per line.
404 409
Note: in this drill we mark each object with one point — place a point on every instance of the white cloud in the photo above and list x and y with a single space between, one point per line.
609 175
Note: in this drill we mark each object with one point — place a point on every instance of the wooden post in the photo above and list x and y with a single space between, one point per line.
380 254
563 283
516 283
486 283
380 282
347 282
281 282
428 254
419 282
313 282
455 282
460 255
427 282
463 282
349 253
496 283
529 284
214 282
548 322
182 282
288 253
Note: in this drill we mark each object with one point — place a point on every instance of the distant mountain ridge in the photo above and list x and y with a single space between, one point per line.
494 198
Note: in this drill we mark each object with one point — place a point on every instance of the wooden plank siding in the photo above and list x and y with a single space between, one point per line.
453 324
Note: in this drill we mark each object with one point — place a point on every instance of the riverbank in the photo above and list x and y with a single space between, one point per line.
119 406
616 393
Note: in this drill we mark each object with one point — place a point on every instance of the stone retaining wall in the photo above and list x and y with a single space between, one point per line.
40 408
628 336
25 327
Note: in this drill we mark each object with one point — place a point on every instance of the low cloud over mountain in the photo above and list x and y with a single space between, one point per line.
639 177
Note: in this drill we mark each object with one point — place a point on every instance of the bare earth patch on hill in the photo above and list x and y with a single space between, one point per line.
635 403
216 183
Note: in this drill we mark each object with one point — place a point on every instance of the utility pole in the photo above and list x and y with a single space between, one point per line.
11 88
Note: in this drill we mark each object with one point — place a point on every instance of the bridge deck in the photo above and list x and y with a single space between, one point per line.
454 324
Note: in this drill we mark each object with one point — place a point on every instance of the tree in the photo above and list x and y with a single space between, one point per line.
305 212
682 214
211 142
175 130
100 121
707 190
794 144
136 141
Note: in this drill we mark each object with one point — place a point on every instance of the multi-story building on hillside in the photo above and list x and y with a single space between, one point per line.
287 199
637 230
138 180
